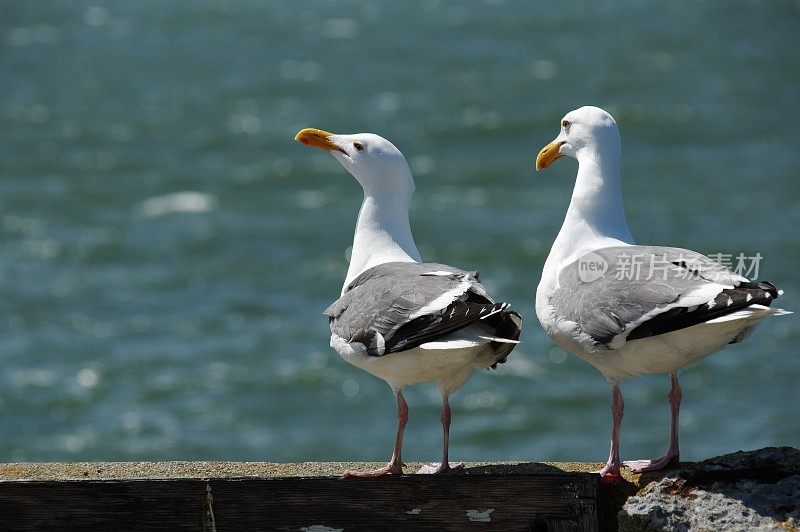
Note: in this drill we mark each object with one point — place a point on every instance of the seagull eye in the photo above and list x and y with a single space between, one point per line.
358 146
565 124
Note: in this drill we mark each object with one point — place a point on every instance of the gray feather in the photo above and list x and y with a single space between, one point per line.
608 305
385 298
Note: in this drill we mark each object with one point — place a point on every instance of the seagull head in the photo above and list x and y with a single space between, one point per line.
588 130
374 161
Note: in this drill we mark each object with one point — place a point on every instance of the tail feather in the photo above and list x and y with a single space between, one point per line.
508 325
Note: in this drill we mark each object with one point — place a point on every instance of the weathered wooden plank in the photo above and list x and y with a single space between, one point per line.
496 502
568 501
103 505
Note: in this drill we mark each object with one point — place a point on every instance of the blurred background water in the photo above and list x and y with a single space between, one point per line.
166 249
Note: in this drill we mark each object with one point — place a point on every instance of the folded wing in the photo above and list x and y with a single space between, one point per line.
398 306
646 291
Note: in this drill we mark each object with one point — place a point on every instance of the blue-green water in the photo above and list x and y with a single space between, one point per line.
166 249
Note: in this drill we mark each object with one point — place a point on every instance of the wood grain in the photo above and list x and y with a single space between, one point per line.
565 501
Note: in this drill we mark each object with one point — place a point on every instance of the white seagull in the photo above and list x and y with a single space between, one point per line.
398 318
632 310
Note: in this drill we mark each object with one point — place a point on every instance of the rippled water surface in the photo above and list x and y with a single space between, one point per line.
166 249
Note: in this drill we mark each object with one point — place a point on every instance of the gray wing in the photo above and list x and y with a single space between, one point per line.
397 306
632 292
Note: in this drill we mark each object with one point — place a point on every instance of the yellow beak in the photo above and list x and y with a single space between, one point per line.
317 138
548 154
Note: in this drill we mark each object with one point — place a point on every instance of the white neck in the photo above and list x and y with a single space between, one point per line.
596 215
383 234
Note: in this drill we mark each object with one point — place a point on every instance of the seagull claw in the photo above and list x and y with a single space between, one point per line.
392 468
610 473
441 469
643 466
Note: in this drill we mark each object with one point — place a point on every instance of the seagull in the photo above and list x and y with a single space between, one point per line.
632 310
398 318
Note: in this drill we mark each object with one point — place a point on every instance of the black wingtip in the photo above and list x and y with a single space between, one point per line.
727 301
508 325
770 288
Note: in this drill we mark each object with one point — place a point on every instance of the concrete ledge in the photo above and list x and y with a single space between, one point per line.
55 471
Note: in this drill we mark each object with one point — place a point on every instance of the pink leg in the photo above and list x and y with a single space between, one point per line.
395 465
610 472
444 468
673 453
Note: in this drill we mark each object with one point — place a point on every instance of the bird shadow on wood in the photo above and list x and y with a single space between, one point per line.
522 468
